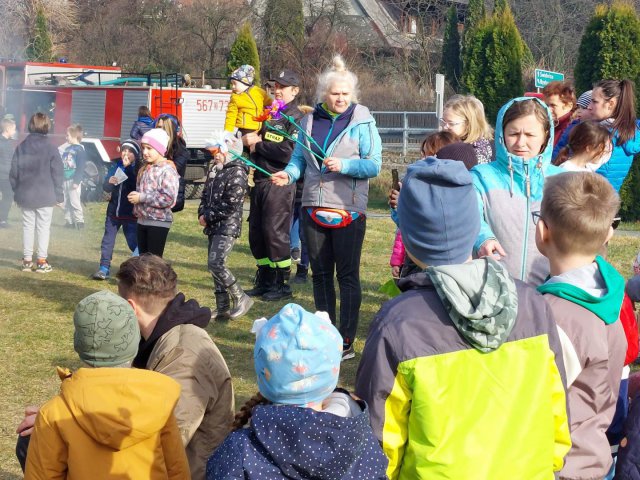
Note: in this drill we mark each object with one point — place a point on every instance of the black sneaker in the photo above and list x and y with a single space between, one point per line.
347 351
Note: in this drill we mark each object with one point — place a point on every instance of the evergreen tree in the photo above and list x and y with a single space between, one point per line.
494 69
451 65
284 34
475 14
40 47
610 46
244 52
499 6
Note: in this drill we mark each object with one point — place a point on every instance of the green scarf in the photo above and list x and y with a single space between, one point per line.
607 307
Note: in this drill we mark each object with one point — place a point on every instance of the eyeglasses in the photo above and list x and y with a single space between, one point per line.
444 124
616 222
535 216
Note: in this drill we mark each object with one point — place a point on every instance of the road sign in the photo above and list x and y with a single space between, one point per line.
545 77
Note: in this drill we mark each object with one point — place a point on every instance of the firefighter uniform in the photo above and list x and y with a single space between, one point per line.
272 208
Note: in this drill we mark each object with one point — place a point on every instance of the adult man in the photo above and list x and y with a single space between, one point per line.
463 372
174 342
272 207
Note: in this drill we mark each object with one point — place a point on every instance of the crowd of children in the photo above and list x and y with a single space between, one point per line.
504 355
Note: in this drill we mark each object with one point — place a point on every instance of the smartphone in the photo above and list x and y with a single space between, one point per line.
395 185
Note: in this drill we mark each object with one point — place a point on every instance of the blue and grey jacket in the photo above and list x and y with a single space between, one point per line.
359 148
509 189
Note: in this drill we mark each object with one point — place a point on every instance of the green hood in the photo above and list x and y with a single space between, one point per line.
481 300
607 307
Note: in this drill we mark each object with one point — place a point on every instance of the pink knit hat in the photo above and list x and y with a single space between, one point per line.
157 139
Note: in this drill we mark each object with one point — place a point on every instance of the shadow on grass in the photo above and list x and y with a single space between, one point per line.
58 292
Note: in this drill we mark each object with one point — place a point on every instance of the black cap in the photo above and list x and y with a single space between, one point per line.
286 78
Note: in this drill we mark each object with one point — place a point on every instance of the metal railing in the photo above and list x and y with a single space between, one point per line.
403 132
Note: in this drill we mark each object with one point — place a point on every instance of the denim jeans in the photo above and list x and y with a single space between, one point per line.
336 250
36 223
111 227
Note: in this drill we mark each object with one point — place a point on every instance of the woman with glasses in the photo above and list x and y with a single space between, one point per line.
463 115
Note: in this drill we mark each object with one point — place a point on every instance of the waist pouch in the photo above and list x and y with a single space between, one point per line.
332 217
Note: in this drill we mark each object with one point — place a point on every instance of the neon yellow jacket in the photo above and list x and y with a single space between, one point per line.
446 410
244 106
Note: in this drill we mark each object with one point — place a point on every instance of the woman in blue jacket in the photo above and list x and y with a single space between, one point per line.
613 104
347 151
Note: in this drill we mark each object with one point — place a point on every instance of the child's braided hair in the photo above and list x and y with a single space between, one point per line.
243 416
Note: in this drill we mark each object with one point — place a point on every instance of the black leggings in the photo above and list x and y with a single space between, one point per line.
152 239
339 250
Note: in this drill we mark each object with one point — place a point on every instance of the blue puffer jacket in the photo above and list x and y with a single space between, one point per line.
296 443
509 189
617 168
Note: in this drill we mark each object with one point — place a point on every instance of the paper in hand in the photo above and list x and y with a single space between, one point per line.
120 176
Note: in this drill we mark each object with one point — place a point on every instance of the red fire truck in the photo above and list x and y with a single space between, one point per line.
105 101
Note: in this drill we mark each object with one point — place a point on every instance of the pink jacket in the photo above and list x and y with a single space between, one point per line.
158 188
398 252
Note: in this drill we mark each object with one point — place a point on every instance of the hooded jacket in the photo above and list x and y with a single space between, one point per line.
158 187
509 189
586 303
223 197
141 126
464 377
108 423
359 148
36 173
119 206
617 168
290 442
181 348
244 106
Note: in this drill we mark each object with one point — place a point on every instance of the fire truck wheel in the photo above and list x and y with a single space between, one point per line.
193 190
92 184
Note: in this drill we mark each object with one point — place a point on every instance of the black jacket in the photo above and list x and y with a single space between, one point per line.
181 156
222 199
274 152
36 173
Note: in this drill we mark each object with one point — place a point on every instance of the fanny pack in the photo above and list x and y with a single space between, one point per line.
332 217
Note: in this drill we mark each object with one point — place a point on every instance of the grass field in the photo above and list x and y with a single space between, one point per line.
36 328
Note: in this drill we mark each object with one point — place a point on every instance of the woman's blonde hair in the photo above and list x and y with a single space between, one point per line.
337 72
472 110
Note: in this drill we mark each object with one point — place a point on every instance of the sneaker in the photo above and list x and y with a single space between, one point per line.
27 266
347 351
301 275
295 255
43 267
80 225
101 274
4 224
69 225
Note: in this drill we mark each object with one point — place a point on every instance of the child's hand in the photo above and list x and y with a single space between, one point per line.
280 179
492 248
202 221
113 180
395 271
134 198
333 164
393 197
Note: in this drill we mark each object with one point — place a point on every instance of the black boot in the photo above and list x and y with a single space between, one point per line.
241 302
301 274
223 307
281 288
263 281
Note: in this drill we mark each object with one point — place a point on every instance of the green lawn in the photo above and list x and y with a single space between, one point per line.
36 329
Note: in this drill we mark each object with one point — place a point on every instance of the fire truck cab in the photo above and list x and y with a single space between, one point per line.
105 101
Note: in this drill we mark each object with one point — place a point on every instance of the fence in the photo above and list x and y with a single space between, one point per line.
403 132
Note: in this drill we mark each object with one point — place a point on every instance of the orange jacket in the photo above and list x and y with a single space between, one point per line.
109 423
